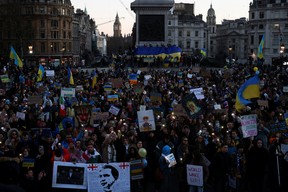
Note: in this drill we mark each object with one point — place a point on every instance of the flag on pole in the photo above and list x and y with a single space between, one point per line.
62 111
41 72
70 77
94 79
203 52
17 60
250 89
260 48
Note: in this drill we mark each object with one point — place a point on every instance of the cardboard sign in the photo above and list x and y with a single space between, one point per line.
179 110
117 83
101 116
263 103
35 99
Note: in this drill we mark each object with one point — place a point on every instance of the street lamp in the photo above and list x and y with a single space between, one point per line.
230 55
282 49
30 48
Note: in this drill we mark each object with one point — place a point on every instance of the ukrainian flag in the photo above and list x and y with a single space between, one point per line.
260 48
250 89
70 77
94 79
41 72
203 52
17 60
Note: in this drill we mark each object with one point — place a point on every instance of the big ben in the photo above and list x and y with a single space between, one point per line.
117 27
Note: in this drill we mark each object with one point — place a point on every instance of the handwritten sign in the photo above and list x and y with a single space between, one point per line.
114 110
194 175
249 125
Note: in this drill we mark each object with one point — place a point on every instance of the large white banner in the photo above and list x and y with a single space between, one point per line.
249 125
194 175
111 177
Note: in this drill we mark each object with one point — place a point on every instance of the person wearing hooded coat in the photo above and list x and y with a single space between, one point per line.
168 184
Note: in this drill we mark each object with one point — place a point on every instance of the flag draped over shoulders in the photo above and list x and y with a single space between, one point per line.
248 90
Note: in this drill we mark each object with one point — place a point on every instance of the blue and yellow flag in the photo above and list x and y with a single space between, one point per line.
250 89
70 77
17 60
203 52
260 48
41 72
94 79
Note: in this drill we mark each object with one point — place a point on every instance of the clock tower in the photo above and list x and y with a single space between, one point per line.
117 27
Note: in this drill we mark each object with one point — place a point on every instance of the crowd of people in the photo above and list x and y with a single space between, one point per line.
212 139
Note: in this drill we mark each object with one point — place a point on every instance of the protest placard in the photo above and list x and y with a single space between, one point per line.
249 125
146 120
35 99
117 83
114 110
194 175
67 92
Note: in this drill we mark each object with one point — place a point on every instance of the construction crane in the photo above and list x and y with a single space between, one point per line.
109 21
130 13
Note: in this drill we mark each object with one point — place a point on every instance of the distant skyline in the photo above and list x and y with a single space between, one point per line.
105 11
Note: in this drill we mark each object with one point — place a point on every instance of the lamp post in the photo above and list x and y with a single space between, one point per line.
30 52
282 50
230 55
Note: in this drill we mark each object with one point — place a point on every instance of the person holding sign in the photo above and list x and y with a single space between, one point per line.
167 168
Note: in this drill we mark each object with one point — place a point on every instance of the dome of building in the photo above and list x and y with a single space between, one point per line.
211 11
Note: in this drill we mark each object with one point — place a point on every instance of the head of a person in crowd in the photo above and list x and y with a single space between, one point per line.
41 150
14 134
25 152
68 138
199 139
139 144
78 144
94 137
186 130
259 143
166 150
90 148
224 148
166 138
184 141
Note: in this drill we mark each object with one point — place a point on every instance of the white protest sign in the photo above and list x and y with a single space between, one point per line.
114 110
284 148
67 92
146 120
198 92
20 115
171 159
142 107
50 73
285 89
194 175
249 125
108 177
